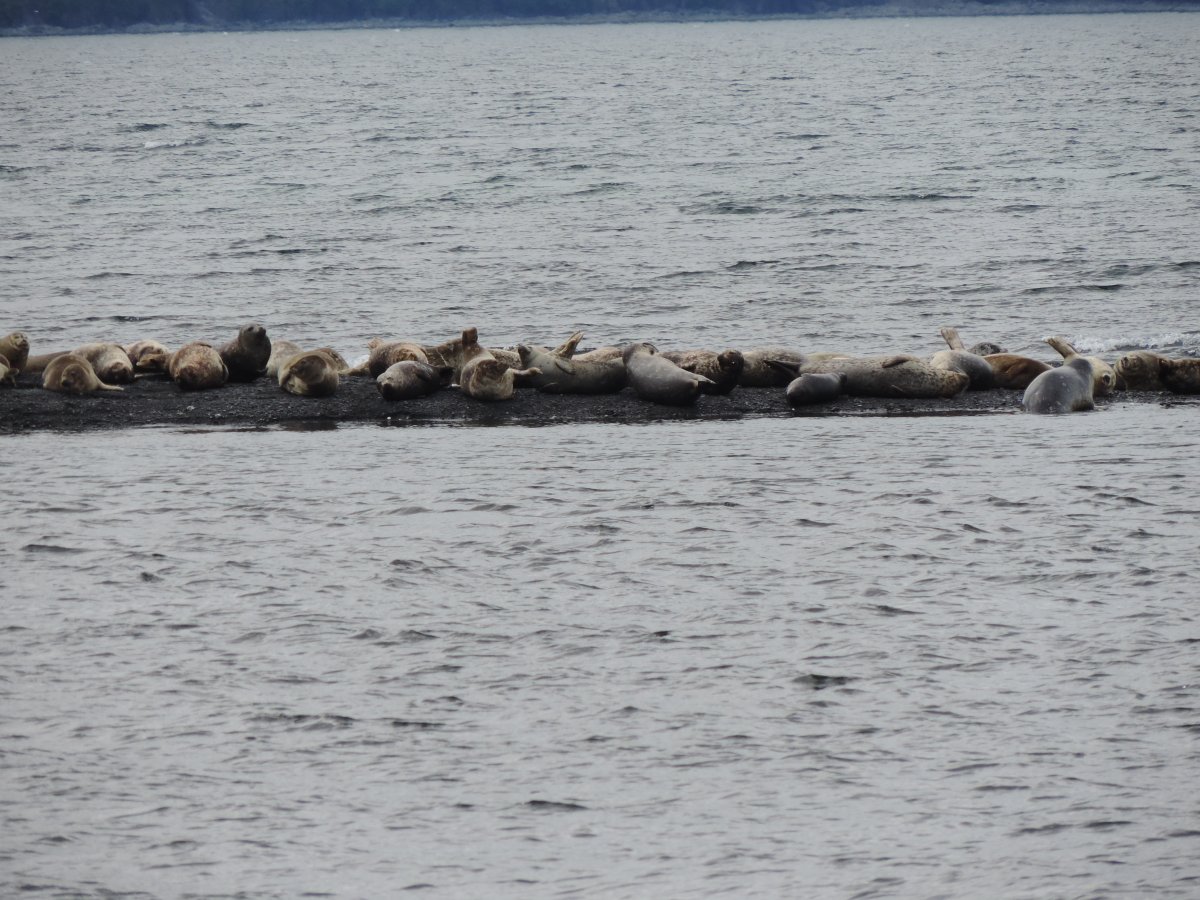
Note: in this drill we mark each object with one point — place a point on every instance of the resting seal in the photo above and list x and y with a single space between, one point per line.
281 352
197 366
757 370
310 374
409 379
1066 389
805 390
959 359
70 373
487 378
722 369
659 380
147 356
8 375
1013 372
246 356
384 354
1146 371
1101 386
888 376
14 347
559 374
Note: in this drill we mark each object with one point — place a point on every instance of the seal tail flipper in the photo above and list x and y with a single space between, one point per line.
108 387
1065 350
567 348
950 336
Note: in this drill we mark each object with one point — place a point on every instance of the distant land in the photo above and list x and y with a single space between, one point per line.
49 17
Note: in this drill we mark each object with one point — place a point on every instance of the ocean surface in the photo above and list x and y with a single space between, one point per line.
828 658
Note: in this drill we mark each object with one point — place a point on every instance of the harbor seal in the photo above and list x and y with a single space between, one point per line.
384 354
281 352
14 347
811 388
757 370
1143 370
1069 388
8 375
409 379
147 356
1015 373
659 380
486 378
246 356
723 369
70 373
197 366
987 348
110 362
313 373
896 376
959 359
1101 385
559 374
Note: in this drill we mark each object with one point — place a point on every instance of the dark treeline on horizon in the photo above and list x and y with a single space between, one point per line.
115 15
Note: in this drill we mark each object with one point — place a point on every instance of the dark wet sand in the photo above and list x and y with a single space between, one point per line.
155 400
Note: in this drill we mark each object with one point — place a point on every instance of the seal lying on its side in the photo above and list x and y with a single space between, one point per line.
313 373
659 380
409 379
147 355
197 366
722 369
1101 386
959 359
1013 372
487 378
71 373
281 352
889 376
110 362
559 374
1066 389
14 347
246 356
1142 370
805 390
757 370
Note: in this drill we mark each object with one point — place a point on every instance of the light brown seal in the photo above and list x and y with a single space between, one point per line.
409 379
487 378
888 376
14 347
71 373
959 359
147 356
246 356
659 380
1069 388
1101 386
8 375
757 370
109 361
561 374
722 369
197 366
384 354
1143 370
281 352
1013 372
313 373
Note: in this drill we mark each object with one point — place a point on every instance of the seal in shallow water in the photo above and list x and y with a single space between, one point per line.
71 373
659 380
246 356
14 347
197 366
1101 386
1069 388
313 373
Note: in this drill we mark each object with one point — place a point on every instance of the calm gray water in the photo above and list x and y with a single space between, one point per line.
825 658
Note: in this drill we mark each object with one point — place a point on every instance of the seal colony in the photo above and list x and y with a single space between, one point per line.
102 384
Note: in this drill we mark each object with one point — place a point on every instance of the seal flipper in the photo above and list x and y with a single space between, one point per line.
787 368
950 336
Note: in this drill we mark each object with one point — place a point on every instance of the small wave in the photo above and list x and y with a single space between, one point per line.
173 145
1097 344
228 126
142 126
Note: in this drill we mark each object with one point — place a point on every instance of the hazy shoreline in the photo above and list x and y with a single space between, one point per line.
881 11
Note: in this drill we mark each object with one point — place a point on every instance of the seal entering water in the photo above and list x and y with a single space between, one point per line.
1065 389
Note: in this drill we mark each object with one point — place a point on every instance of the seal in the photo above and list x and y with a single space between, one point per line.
455 352
1013 372
1143 370
281 352
384 354
757 370
723 369
486 378
894 377
246 355
659 380
812 388
197 366
109 361
409 379
147 356
560 374
14 347
959 359
987 348
70 373
313 373
1101 385
8 375
1069 388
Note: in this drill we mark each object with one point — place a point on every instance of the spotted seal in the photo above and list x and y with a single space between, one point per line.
723 369
312 373
197 366
14 347
896 376
246 356
659 380
561 374
1069 388
70 373
147 355
959 359
281 351
1101 386
1143 370
409 379
487 378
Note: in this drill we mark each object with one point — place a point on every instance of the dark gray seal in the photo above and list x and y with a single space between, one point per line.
1065 389
813 388
246 356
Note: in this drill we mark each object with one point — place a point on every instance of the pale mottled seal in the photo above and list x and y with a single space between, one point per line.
558 374
409 379
659 380
14 347
70 373
1068 388
723 369
147 356
109 361
987 348
599 354
959 359
197 366
313 373
889 376
1146 371
384 354
246 356
281 352
486 378
1101 386
1013 372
